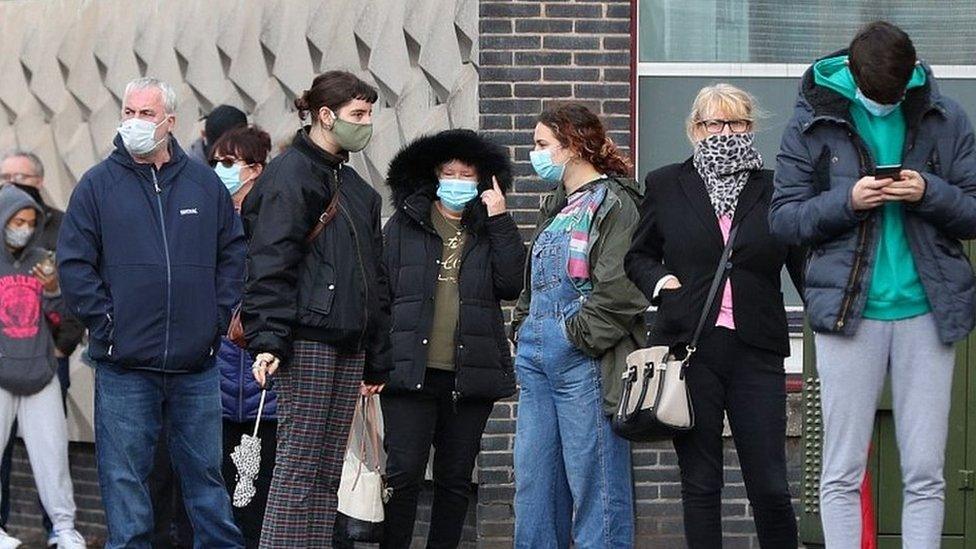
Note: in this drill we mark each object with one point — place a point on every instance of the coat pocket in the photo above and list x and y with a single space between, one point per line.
322 293
672 311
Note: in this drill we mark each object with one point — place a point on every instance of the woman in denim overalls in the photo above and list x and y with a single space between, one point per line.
576 317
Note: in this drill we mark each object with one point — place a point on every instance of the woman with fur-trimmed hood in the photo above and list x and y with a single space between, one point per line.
453 254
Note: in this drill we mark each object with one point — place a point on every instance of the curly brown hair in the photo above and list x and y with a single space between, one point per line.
577 128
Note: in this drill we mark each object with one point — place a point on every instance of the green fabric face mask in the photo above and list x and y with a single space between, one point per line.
352 137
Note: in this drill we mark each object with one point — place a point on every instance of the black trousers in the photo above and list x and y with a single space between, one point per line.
251 517
412 423
727 375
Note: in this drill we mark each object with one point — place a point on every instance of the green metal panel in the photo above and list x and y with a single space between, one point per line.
812 436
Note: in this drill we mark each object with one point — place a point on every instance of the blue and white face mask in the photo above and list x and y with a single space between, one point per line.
456 193
231 177
879 110
544 166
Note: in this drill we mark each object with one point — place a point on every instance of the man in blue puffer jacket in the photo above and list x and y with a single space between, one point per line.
151 258
888 286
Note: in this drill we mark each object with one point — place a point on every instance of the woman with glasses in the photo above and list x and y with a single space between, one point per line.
689 211
239 157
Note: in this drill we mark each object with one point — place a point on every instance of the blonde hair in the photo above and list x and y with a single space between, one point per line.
723 97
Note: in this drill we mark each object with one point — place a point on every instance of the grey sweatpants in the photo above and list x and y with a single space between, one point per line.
852 374
45 432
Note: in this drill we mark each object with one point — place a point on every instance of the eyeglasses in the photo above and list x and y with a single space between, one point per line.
718 126
18 178
228 162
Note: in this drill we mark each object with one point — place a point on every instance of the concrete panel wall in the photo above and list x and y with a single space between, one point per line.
64 65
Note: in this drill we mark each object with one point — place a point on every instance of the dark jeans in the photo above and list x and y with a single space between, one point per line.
5 465
251 517
171 526
132 409
412 423
726 375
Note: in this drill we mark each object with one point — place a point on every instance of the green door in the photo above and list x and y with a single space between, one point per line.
959 529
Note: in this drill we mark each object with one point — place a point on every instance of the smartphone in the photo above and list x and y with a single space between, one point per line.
890 171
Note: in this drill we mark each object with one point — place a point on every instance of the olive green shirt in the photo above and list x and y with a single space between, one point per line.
440 351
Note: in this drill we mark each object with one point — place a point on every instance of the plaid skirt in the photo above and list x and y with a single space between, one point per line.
316 399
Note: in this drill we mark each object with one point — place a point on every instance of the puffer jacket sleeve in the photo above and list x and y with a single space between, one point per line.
277 231
798 213
507 256
79 257
644 262
607 315
949 202
378 360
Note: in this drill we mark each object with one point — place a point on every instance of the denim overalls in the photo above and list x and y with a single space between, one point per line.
572 473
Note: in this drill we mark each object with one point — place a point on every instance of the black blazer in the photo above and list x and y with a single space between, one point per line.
679 235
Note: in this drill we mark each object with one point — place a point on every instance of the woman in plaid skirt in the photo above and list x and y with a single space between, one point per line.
316 303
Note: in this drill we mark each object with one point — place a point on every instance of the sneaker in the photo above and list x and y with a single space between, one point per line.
71 539
7 541
52 539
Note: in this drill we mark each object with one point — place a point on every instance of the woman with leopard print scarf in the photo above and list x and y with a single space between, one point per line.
689 211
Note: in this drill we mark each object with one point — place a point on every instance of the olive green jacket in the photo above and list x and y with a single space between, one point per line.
609 325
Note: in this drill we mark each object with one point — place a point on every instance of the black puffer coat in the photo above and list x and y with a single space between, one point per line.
490 271
333 290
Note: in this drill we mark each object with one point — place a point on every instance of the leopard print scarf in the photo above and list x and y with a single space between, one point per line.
724 163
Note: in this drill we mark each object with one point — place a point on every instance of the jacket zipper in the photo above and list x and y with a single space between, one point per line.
456 393
169 268
362 264
862 240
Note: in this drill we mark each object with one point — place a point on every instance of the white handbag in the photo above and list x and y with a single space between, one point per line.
655 402
362 488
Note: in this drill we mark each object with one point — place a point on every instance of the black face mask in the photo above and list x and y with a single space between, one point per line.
32 191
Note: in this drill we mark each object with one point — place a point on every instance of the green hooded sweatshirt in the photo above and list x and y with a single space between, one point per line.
896 292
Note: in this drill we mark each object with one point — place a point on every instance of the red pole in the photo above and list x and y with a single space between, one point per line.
869 534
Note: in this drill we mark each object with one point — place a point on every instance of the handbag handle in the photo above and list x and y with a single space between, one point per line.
720 273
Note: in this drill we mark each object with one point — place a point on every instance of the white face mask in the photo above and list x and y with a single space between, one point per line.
139 136
880 110
18 237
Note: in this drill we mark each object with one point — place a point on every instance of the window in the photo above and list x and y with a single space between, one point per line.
797 31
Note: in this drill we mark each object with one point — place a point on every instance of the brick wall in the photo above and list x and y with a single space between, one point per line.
25 519
534 53
537 53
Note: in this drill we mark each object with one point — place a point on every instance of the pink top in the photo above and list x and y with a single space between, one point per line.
725 318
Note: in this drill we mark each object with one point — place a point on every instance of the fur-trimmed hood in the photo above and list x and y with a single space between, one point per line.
414 168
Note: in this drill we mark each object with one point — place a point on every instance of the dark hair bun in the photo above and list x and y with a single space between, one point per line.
301 103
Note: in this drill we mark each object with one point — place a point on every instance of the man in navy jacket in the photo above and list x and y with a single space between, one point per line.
151 259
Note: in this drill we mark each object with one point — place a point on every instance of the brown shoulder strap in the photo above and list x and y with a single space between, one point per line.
327 216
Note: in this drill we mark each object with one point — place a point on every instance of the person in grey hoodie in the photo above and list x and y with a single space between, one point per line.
30 302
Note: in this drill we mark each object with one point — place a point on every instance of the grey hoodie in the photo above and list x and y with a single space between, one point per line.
27 360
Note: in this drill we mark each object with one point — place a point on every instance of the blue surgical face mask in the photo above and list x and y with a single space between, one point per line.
543 165
456 193
231 177
880 110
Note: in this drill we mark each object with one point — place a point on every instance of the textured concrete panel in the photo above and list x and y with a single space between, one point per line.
64 65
